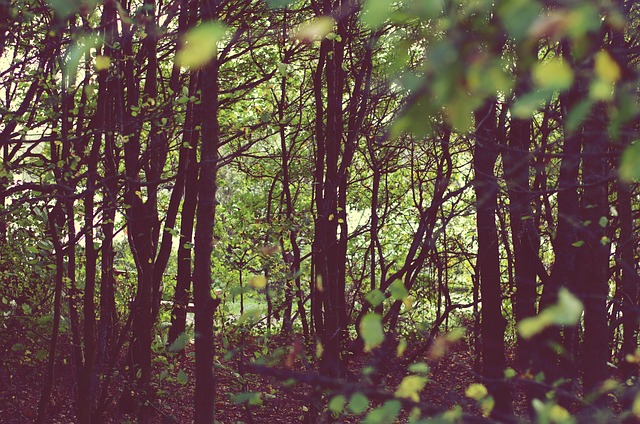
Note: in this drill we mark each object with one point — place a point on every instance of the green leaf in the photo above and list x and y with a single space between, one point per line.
601 90
518 15
75 54
385 414
371 331
578 114
375 297
282 68
180 342
200 44
606 68
428 9
582 20
336 404
578 243
419 368
64 8
375 12
102 62
279 4
172 231
398 290
315 29
402 346
509 373
358 403
554 74
459 109
251 398
182 377
630 163
527 104
258 282
567 311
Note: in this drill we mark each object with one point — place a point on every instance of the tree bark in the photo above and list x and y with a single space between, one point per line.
594 253
493 322
205 391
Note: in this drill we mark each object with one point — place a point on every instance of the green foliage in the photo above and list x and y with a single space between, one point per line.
358 403
81 48
410 387
277 4
375 12
251 398
630 163
64 8
386 413
433 65
371 331
180 343
182 378
200 44
337 403
567 311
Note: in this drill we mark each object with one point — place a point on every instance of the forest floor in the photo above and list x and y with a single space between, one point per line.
21 381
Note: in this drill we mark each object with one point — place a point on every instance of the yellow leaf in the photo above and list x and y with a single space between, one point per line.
410 387
553 74
269 250
476 391
601 90
200 44
606 68
258 281
314 30
102 62
487 405
558 414
402 346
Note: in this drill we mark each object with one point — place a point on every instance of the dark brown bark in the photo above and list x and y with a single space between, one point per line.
327 245
630 281
564 267
294 287
142 225
524 236
493 322
55 218
594 253
205 391
183 277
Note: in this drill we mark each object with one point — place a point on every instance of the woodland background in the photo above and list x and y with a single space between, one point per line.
316 205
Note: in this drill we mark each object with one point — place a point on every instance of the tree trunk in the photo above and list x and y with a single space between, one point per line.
205 391
493 323
594 253
564 267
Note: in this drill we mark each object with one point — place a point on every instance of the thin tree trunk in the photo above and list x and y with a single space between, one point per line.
54 217
493 322
564 267
205 391
594 269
